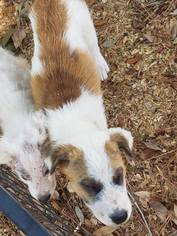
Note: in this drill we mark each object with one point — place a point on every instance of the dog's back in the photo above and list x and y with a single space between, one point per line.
61 71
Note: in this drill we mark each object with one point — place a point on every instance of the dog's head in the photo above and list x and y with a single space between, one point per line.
96 172
28 148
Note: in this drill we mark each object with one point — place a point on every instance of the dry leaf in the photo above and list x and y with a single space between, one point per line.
175 215
174 13
169 78
109 43
18 36
55 205
7 37
152 146
79 214
160 210
175 210
149 37
55 195
173 28
145 195
104 231
133 60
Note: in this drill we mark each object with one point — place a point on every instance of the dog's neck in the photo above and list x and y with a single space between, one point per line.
77 119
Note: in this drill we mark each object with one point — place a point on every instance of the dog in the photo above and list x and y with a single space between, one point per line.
24 138
67 69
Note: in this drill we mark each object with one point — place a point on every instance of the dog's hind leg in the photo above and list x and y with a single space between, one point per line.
81 34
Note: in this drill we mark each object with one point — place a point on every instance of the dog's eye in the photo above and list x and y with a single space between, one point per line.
118 177
25 176
45 170
91 186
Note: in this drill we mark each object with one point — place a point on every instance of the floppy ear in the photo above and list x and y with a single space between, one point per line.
60 157
124 140
65 156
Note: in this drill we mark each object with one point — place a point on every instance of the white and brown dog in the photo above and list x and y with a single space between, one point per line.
24 141
67 67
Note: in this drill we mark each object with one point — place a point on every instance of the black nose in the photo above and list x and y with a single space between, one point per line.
45 198
119 216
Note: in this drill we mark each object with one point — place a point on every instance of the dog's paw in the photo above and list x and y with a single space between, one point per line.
103 67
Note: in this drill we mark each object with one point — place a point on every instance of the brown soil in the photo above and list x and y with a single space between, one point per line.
139 42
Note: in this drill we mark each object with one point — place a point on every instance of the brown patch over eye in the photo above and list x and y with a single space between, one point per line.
91 186
118 177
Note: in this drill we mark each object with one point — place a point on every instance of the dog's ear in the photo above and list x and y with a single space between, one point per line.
124 140
65 157
60 158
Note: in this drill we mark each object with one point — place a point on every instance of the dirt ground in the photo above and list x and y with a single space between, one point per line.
139 40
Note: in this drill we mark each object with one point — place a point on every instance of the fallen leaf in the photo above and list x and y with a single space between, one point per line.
55 205
173 28
144 195
174 13
174 219
55 195
153 146
175 210
169 78
149 37
175 41
79 214
7 37
18 36
109 43
25 9
133 60
160 210
104 231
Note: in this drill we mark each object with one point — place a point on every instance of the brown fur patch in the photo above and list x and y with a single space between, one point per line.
64 73
73 167
114 155
122 144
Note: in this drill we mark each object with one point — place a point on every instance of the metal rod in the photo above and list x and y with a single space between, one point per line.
18 215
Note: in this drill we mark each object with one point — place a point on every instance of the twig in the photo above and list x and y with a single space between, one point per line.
161 155
141 213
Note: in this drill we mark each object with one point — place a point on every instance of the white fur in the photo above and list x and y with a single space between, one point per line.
83 124
22 129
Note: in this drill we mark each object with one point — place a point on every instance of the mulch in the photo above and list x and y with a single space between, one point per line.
139 40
